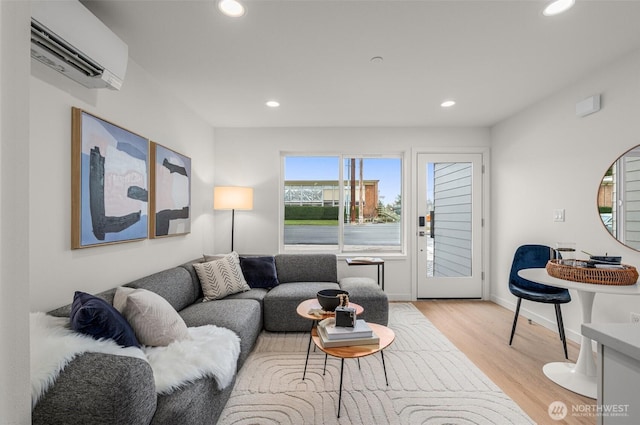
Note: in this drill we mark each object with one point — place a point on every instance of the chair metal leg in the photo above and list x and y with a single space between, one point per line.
515 320
558 320
563 336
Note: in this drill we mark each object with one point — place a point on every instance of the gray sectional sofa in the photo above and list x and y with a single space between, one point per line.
107 389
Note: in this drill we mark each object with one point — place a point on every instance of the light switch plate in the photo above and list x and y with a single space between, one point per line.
558 215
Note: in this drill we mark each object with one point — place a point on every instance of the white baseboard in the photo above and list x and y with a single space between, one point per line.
399 297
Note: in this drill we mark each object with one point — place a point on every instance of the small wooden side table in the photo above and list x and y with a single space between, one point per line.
303 311
386 335
369 261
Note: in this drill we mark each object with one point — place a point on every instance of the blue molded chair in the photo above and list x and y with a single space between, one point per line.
536 256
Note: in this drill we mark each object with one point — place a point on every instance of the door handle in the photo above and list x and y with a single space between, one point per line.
432 223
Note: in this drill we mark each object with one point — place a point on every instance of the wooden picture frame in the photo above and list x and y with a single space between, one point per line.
170 190
109 182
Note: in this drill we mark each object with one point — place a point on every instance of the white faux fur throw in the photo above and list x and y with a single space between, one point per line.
54 345
211 352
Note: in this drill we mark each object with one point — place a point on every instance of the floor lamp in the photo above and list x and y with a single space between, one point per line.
232 198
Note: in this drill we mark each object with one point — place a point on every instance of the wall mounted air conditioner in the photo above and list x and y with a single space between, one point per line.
67 37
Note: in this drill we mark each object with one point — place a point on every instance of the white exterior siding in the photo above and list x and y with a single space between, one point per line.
452 207
632 202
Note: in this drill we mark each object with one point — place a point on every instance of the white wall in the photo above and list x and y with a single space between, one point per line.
546 158
251 157
142 106
542 159
15 396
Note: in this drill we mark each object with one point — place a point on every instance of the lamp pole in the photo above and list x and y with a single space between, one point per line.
233 217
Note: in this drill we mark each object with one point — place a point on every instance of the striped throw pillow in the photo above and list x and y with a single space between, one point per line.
220 278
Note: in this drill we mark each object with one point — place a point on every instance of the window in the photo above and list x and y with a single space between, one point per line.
343 203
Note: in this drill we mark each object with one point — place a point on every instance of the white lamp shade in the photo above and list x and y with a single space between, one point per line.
232 198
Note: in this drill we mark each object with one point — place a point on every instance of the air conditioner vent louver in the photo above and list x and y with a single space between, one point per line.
67 37
61 50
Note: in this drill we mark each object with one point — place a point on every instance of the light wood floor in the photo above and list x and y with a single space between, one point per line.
481 329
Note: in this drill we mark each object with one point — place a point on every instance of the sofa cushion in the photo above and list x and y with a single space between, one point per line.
307 268
93 316
65 311
99 389
259 272
200 402
257 294
364 286
153 319
366 292
195 280
174 285
220 278
281 302
242 316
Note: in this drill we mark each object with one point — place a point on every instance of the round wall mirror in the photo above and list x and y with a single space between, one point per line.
619 199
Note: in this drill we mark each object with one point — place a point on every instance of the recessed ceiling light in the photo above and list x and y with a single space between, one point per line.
272 103
377 59
448 103
231 8
558 6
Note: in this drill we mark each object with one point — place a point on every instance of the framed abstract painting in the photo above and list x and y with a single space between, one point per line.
109 178
170 189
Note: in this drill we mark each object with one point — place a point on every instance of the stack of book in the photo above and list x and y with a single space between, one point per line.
335 336
364 260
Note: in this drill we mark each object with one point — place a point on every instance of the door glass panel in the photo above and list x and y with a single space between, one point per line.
451 219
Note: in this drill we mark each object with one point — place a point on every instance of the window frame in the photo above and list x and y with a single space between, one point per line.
339 248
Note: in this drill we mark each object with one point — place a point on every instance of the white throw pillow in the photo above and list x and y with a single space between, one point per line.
220 278
155 321
211 257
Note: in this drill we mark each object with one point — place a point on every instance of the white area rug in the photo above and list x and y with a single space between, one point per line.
430 382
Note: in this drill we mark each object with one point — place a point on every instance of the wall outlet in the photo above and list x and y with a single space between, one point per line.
635 318
558 215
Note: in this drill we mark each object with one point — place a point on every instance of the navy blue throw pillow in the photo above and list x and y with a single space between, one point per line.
94 316
259 272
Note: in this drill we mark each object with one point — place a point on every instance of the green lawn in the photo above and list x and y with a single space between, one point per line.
311 222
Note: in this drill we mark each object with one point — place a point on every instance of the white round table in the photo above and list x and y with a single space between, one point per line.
579 377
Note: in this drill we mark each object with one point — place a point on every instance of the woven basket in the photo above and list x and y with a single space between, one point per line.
628 275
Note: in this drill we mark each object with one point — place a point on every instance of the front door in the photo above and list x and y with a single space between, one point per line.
449 226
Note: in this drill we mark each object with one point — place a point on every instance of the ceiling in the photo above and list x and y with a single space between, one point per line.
494 58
